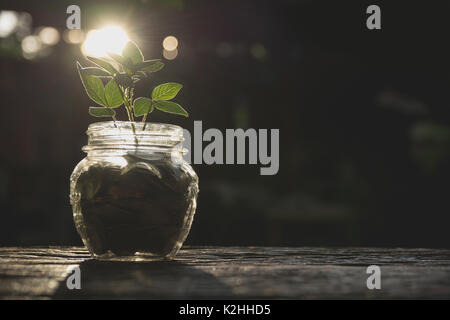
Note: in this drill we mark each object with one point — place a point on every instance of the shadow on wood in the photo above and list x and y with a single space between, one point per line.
142 280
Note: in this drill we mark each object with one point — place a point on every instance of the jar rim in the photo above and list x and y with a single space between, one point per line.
128 135
147 128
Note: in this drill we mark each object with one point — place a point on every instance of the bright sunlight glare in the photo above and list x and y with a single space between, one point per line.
100 41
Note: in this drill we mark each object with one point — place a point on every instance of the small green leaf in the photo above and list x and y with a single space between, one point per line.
97 72
101 112
103 64
132 52
170 107
141 75
125 62
124 80
142 106
166 91
113 94
150 65
93 85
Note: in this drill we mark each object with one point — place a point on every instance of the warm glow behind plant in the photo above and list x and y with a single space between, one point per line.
109 39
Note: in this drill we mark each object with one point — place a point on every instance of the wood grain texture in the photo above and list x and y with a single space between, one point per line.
228 272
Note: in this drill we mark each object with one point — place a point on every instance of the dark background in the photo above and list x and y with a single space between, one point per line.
364 118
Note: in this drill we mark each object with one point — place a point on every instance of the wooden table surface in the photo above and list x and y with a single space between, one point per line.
228 272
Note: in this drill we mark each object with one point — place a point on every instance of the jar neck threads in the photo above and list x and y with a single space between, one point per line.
124 137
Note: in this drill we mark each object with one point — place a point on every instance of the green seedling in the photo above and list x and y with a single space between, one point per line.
111 84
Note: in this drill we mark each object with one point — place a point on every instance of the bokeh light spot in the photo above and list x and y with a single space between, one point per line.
258 51
49 36
8 22
31 44
170 55
170 43
74 36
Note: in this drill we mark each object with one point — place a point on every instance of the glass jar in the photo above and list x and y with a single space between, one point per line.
133 195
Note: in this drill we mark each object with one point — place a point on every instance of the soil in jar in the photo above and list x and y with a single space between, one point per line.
142 209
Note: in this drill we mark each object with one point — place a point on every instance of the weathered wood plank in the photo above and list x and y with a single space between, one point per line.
228 272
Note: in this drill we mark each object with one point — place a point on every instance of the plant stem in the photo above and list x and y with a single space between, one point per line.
128 112
127 105
130 108
114 120
144 118
131 96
